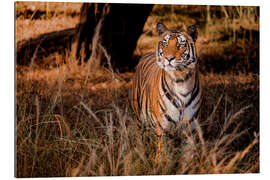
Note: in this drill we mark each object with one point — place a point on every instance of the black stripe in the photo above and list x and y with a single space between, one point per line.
192 47
137 95
149 115
147 55
170 119
197 103
168 93
162 109
146 107
139 104
186 94
141 97
195 90
153 124
189 62
135 91
180 80
197 112
147 64
193 96
195 115
193 55
166 115
145 58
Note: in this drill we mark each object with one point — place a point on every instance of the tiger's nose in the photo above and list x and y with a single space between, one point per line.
170 57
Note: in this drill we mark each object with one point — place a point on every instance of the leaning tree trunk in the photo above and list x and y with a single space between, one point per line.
122 25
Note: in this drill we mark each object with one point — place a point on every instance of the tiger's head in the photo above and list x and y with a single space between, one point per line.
176 50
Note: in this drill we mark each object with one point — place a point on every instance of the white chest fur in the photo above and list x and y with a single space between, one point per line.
182 94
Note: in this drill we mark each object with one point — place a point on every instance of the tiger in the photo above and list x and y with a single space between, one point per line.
166 88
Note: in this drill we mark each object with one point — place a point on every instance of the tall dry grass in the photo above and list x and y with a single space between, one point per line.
81 141
59 133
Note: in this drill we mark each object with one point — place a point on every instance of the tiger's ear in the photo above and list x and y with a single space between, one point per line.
161 28
193 32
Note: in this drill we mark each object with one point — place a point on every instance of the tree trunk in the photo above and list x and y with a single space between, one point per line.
122 26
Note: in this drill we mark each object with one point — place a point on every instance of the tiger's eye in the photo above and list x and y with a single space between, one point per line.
181 41
164 43
165 40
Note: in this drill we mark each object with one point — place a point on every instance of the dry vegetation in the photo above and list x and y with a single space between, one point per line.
75 120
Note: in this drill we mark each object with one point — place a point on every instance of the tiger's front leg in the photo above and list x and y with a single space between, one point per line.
160 157
160 151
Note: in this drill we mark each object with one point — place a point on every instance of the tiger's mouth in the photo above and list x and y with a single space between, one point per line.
173 65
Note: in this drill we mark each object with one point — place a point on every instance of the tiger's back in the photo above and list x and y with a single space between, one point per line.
144 89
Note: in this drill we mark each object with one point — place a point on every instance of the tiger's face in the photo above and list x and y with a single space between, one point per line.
176 50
